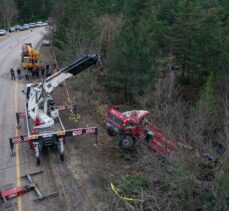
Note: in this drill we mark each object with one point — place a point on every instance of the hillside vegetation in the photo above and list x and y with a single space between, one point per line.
169 57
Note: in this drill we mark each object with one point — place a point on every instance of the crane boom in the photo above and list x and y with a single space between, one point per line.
75 68
38 96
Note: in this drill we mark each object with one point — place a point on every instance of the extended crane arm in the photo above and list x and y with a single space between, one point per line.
38 95
73 69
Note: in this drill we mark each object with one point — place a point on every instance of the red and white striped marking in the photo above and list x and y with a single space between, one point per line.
20 139
90 131
77 132
22 114
16 139
26 138
63 107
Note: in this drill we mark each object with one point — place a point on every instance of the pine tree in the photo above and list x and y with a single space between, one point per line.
34 10
133 59
207 107
75 35
198 41
183 34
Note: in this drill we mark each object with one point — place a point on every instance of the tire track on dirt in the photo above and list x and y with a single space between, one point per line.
72 196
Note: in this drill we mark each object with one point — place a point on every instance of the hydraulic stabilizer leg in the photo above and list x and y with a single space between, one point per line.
11 147
18 120
96 136
37 153
61 148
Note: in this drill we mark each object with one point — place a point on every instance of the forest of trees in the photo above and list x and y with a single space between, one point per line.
34 10
170 57
24 11
136 38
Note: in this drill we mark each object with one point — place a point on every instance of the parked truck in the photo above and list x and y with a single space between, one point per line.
44 125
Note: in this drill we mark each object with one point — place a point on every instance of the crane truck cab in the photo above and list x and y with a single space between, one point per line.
29 56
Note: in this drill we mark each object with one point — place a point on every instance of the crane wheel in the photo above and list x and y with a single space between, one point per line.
38 161
127 143
61 157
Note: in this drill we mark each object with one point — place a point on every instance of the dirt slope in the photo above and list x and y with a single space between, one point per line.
93 167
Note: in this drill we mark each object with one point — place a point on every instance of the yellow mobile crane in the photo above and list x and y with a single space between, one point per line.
29 56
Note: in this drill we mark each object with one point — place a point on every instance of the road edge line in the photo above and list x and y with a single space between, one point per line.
18 173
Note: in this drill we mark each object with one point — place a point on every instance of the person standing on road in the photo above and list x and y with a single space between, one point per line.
12 74
34 72
19 73
37 68
27 74
48 73
30 73
47 67
42 71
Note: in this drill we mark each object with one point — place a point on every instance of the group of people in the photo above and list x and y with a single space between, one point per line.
34 73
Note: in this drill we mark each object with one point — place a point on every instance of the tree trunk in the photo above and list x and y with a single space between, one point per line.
8 12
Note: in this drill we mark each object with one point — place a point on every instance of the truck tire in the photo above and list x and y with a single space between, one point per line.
38 161
61 157
110 132
127 143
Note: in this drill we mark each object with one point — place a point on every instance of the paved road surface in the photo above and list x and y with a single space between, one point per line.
11 99
56 176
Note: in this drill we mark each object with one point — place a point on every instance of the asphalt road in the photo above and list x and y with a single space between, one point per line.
11 100
56 176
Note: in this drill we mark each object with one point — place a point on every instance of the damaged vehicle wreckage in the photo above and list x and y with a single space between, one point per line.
133 127
10 193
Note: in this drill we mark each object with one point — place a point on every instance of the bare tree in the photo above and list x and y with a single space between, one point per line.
109 26
8 12
225 103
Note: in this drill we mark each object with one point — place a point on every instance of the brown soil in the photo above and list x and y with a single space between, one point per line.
93 167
